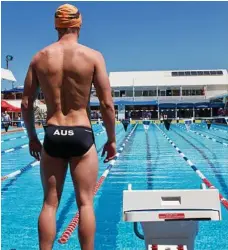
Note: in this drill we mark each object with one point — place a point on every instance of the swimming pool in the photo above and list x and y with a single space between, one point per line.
148 161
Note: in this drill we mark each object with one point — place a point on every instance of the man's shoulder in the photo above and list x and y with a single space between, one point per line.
43 52
91 52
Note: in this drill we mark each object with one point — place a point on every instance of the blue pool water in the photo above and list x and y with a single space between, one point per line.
148 162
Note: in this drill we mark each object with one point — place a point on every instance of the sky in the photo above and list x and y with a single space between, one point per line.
132 36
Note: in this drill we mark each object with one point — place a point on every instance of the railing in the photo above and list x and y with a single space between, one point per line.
163 99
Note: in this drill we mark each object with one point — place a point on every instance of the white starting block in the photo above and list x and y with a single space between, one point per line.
169 218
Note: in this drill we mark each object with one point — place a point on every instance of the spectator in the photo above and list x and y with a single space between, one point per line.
6 121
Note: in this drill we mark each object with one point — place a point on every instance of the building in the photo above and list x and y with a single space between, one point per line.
183 93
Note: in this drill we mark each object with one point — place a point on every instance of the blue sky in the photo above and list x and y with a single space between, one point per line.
131 35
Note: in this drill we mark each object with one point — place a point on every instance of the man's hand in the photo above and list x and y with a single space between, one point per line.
35 148
110 148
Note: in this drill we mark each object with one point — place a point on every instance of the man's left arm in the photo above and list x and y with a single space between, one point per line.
31 90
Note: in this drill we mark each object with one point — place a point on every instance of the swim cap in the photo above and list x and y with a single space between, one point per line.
68 16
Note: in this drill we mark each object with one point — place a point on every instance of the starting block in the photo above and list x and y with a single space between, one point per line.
169 218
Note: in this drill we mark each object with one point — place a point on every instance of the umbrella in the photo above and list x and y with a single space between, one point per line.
5 106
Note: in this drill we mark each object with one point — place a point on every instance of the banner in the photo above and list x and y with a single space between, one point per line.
208 122
167 124
226 119
146 125
188 124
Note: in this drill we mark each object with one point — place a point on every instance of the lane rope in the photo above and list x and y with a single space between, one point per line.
18 172
209 138
19 137
223 200
222 130
74 222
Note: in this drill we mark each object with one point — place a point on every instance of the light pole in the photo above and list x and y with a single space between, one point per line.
8 58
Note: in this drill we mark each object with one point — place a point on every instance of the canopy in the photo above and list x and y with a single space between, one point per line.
202 105
167 105
185 105
141 103
6 74
5 106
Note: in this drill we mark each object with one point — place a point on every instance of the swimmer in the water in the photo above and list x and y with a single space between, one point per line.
65 71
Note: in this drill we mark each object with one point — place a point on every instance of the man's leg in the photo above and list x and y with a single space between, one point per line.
84 175
53 173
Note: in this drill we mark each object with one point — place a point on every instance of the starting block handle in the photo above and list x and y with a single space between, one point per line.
136 230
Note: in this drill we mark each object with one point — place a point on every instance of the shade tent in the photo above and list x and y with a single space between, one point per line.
5 106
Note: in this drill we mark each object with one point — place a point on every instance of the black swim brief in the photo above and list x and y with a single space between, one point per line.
67 141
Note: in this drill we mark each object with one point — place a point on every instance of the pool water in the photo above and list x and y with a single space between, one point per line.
148 161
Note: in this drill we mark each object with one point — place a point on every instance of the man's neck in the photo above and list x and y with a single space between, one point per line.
68 37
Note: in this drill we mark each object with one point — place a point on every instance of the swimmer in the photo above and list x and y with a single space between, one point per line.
65 71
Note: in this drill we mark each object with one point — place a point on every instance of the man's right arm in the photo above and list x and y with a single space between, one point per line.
104 93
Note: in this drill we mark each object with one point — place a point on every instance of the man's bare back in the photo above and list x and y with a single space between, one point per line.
65 71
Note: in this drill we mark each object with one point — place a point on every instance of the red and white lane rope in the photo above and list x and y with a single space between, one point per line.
74 222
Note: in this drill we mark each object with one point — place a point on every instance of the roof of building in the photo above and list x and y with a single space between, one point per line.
168 78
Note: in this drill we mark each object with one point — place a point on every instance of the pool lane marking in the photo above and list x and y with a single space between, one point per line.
31 164
20 137
223 200
74 222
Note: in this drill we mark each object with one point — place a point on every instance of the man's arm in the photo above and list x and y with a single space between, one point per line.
103 90
31 90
